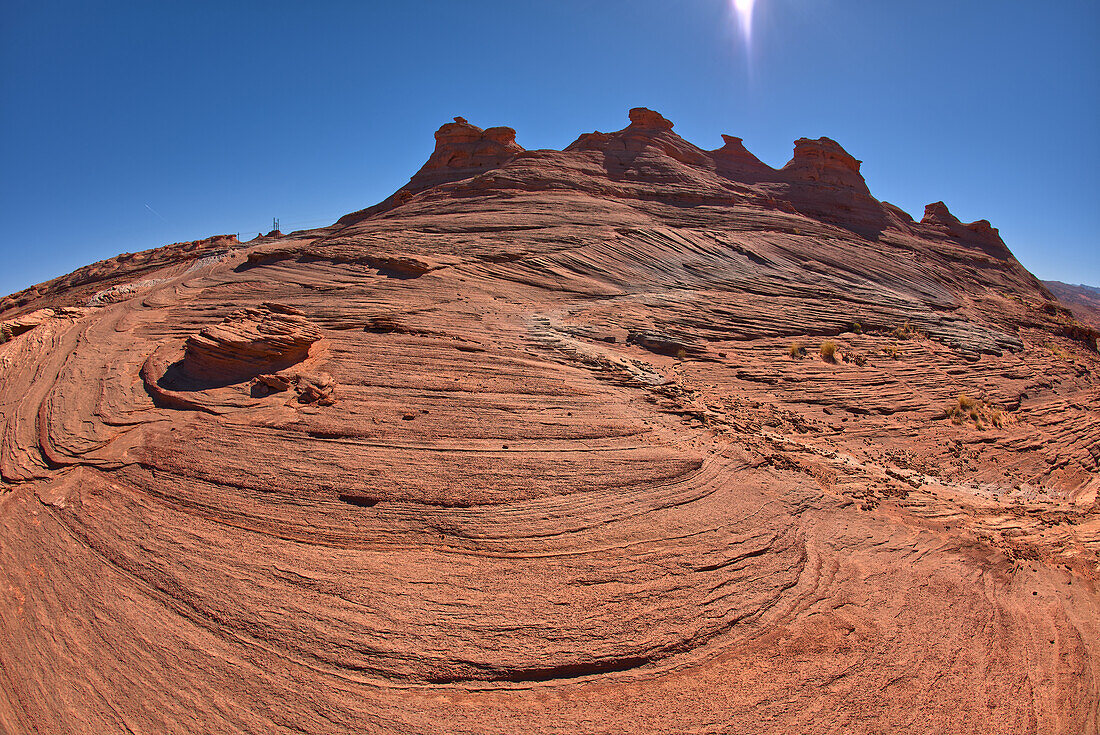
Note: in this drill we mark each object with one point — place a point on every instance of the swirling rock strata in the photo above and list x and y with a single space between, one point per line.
545 442
248 343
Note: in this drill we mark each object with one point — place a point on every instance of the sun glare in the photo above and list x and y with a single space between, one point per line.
743 8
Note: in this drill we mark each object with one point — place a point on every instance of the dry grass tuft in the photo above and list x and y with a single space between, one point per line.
828 351
966 402
908 331
964 408
1058 351
796 351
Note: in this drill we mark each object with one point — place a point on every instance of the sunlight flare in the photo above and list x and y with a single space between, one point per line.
743 8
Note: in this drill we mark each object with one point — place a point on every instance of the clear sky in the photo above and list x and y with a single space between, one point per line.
128 125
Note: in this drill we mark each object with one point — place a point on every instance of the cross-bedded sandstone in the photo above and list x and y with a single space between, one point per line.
544 442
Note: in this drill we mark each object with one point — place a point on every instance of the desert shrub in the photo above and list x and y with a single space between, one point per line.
1058 351
796 351
857 327
964 408
5 333
891 351
828 350
907 331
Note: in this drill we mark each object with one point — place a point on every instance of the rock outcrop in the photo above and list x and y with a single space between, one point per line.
463 150
824 162
980 233
248 343
649 137
83 283
734 162
630 437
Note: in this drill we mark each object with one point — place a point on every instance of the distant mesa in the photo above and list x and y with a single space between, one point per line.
1083 301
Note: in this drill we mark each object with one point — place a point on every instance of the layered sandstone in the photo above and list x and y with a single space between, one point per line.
248 343
546 442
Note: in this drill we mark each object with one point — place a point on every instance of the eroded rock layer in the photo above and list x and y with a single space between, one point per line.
631 437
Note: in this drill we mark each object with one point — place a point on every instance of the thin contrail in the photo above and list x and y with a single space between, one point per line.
156 213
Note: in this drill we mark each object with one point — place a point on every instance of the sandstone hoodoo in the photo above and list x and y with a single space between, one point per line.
628 437
463 150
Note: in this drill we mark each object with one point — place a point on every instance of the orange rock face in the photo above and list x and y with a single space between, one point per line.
627 437
248 343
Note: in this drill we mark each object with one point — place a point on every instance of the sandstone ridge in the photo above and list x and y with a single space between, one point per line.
628 437
821 180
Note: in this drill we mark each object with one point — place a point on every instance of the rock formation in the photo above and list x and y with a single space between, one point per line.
248 343
463 150
629 437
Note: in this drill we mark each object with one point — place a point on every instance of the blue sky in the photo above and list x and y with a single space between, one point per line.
124 126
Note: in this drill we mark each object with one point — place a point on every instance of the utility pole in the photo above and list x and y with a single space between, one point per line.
274 224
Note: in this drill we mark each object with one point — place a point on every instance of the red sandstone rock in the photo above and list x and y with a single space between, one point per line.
462 150
248 343
824 161
644 118
574 479
979 233
647 141
315 388
272 383
735 162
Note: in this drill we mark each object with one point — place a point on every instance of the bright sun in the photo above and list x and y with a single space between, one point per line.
744 17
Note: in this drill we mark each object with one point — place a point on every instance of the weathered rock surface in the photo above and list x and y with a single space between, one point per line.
463 150
248 343
524 448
